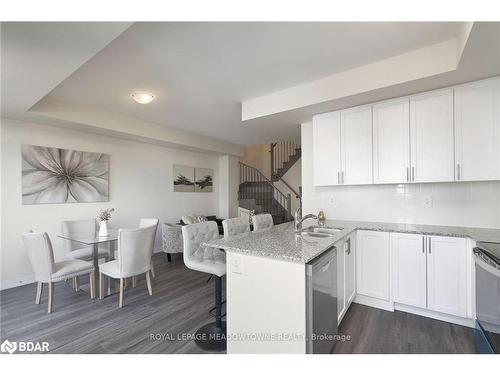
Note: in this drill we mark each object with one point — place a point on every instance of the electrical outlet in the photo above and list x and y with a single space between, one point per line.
236 264
428 201
331 200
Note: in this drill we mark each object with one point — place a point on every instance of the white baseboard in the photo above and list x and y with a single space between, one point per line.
13 283
467 322
374 302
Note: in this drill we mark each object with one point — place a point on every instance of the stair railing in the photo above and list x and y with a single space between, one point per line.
281 153
254 185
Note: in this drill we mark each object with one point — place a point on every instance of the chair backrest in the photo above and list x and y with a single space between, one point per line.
78 228
262 222
40 254
148 223
193 236
235 226
135 248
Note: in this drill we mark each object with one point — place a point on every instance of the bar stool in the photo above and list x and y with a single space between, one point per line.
235 226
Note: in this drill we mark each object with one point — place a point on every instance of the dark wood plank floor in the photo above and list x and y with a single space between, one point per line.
375 331
179 305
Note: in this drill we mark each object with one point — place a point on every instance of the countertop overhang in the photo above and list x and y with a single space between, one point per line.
282 243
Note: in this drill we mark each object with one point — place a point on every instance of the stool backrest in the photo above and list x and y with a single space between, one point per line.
235 226
40 254
194 235
262 222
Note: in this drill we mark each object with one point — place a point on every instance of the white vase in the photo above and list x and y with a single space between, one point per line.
103 228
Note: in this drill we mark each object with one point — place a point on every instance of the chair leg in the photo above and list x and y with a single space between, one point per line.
73 281
148 279
77 283
218 301
125 283
120 303
101 285
51 297
92 285
39 289
134 281
169 257
153 269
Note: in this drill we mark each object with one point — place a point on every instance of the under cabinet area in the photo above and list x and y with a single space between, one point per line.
443 135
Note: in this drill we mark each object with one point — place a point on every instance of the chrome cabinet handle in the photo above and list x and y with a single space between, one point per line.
348 247
423 244
430 242
338 178
413 174
407 174
342 177
458 172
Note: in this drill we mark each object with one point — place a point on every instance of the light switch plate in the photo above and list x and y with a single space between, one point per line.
237 264
428 201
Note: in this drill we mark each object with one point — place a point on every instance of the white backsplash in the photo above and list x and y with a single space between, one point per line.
472 204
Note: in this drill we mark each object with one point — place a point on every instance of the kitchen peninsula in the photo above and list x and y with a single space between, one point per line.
267 303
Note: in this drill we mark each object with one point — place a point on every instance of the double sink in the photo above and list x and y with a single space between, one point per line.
318 232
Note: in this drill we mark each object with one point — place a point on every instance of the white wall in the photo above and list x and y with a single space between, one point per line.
140 186
473 204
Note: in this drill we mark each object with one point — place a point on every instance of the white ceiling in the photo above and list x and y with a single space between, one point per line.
201 72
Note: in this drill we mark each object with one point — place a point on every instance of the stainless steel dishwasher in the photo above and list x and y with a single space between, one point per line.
321 302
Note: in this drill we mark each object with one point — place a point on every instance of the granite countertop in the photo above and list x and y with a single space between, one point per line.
281 241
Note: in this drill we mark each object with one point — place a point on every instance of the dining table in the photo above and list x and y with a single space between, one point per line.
94 241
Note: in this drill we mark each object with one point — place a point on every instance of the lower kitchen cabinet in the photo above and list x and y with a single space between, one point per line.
430 272
409 265
346 275
447 275
372 264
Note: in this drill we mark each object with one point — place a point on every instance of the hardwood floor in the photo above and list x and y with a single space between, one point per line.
179 305
384 332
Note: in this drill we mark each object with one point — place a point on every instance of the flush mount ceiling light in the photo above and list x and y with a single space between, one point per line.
142 97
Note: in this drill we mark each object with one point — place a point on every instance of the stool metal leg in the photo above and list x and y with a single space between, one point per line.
212 336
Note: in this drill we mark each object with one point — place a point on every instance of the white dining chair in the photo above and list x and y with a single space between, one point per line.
41 256
212 261
135 248
84 229
144 222
233 227
262 222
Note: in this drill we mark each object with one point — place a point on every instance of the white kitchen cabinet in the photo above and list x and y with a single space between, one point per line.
391 141
356 145
350 269
477 131
326 152
431 135
341 296
372 264
409 263
447 275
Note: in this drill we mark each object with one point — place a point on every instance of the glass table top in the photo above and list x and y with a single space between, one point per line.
112 236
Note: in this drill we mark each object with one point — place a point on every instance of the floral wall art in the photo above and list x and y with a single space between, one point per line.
54 175
190 179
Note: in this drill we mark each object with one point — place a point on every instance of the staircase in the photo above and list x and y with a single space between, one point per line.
258 193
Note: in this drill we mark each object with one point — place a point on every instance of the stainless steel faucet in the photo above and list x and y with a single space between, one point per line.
298 220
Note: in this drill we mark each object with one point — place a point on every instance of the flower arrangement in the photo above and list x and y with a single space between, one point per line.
105 215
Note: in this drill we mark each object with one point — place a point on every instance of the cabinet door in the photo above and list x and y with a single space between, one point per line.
341 300
391 141
350 269
431 136
477 131
372 264
409 269
326 153
447 275
356 132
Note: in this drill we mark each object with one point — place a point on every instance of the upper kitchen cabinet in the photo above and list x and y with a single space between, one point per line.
391 141
356 145
431 136
326 149
477 131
